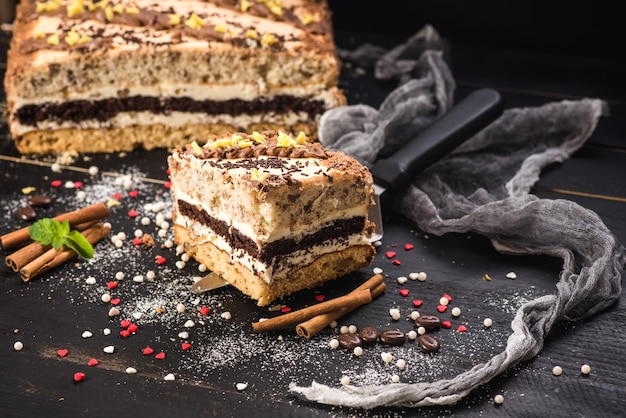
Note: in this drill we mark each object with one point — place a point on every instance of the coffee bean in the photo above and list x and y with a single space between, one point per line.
368 334
393 337
429 322
26 213
349 340
39 200
428 343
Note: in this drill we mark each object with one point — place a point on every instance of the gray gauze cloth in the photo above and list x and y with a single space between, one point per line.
482 187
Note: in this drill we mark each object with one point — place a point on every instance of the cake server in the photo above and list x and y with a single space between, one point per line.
459 124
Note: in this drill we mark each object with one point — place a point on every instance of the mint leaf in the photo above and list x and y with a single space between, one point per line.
52 232
78 243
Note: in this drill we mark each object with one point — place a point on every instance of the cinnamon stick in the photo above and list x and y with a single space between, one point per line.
351 300
315 324
87 214
26 254
53 258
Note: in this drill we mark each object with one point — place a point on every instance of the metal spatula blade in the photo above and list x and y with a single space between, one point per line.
209 282
463 121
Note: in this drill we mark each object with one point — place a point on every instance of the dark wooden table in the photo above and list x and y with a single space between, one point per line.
52 312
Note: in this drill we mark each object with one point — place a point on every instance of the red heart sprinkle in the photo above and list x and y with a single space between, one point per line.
124 333
79 376
168 184
133 193
133 328
417 303
147 351
447 296
462 328
160 356
285 309
442 308
117 196
56 183
137 241
133 213
62 352
186 346
92 362
396 262
404 292
390 254
125 323
111 285
78 184
446 324
160 260
205 310
115 301
319 298
408 247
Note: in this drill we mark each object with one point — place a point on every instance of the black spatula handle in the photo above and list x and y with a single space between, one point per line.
453 128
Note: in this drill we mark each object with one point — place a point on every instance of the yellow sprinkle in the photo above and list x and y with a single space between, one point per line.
268 39
196 148
76 7
257 175
284 140
251 34
174 19
103 4
220 29
118 9
72 37
28 190
84 39
275 8
194 22
258 137
487 277
112 202
53 39
245 5
91 6
307 19
108 12
245 143
39 35
132 10
301 139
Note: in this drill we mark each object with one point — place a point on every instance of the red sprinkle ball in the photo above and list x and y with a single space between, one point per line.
390 254
133 213
167 184
125 323
124 333
408 247
396 262
62 352
160 260
147 351
461 328
78 184
137 241
56 183
205 310
160 356
417 302
446 324
285 309
79 376
133 328
404 292
320 298
442 308
186 346
133 193
111 285
117 196
92 362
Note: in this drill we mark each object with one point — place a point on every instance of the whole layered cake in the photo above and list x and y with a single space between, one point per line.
272 213
102 76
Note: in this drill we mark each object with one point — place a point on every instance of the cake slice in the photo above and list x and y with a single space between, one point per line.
271 213
111 75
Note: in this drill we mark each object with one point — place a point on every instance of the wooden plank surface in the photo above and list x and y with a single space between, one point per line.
52 312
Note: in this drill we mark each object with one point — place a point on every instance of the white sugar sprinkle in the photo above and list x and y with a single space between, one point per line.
106 331
114 311
395 378
226 315
86 334
585 369
90 280
386 357
106 298
456 311
557 370
183 335
18 346
345 380
169 377
498 399
411 334
377 270
402 280
189 324
511 275
241 385
131 370
109 349
333 343
488 322
358 351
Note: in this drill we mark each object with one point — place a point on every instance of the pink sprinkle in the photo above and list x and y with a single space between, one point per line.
396 262
447 296
167 185
117 196
56 183
137 241
408 247
390 254
320 298
111 285
186 346
79 376
404 292
147 351
417 302
124 333
442 308
160 356
285 309
125 323
462 328
62 352
133 328
205 310
133 193
446 324
115 301
133 213
160 260
92 362
78 184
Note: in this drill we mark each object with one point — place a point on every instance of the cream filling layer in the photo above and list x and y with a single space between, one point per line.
268 274
173 119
